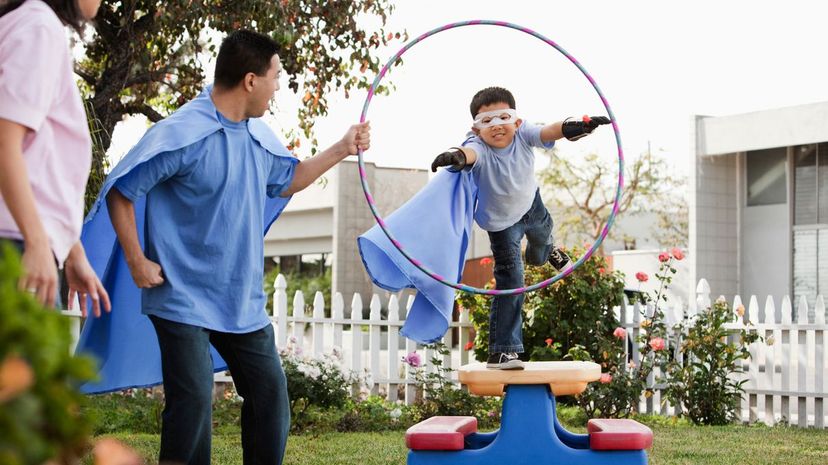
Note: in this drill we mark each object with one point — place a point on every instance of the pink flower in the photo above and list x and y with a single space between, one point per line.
641 277
469 345
606 378
485 261
620 333
413 359
657 343
548 342
663 257
677 253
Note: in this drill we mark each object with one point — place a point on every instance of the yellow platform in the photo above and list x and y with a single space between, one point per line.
564 378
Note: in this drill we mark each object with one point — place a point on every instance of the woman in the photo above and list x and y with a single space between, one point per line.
45 147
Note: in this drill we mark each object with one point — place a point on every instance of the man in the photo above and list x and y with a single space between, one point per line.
201 266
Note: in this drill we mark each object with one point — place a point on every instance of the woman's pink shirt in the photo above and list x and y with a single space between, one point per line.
38 90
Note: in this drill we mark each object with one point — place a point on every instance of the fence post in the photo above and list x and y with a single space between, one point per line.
770 359
280 310
393 347
299 312
410 346
702 297
806 343
820 350
784 354
318 325
757 353
465 337
356 335
374 347
337 315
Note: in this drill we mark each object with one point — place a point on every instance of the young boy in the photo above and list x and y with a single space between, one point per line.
509 205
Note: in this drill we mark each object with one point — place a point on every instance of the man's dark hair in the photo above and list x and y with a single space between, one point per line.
489 96
243 52
67 10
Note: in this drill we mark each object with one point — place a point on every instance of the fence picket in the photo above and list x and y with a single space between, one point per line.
374 344
317 327
280 310
299 312
356 334
393 348
410 346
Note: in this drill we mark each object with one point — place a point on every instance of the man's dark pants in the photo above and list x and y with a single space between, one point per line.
188 387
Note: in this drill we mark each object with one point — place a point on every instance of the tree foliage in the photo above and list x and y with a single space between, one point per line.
583 192
146 56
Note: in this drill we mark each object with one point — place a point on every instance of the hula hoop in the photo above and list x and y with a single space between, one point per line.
463 287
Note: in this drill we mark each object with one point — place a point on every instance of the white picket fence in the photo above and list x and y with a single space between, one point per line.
786 381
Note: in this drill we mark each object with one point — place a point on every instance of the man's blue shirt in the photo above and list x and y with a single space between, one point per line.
204 227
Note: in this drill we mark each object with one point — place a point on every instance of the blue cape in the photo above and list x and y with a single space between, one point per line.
434 227
124 341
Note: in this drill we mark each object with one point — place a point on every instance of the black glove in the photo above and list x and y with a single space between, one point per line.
574 129
455 158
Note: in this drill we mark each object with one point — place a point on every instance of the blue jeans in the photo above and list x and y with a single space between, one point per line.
506 316
187 368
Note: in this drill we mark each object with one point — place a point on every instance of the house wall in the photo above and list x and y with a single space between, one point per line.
714 217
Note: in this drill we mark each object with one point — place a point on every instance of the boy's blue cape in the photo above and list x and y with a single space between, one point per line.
433 227
124 341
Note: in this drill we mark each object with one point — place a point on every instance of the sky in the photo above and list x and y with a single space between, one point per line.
658 63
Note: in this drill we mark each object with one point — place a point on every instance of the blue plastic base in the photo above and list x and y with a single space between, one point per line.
529 434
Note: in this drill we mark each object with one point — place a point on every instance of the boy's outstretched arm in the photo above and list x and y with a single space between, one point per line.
572 128
456 158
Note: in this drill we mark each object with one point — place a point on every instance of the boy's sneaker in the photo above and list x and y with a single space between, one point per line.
504 361
558 259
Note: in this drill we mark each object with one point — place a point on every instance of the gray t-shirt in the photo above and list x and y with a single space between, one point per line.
505 178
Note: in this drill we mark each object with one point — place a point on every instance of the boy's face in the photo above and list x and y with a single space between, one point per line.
501 135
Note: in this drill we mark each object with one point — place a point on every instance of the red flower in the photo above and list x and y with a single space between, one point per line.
469 345
641 277
663 257
657 343
677 253
606 378
620 333
485 261
601 271
548 342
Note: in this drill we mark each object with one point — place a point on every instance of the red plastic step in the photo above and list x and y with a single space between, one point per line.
440 433
618 434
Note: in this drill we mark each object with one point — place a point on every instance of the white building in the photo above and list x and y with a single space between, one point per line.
759 202
323 221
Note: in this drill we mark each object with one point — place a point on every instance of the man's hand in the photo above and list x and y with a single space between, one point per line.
573 129
357 138
84 282
146 273
40 276
454 158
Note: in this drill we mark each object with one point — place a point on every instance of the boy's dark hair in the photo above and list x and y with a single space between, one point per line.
243 52
489 96
67 10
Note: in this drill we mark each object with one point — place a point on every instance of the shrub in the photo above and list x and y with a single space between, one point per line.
702 385
40 405
573 311
322 383
438 395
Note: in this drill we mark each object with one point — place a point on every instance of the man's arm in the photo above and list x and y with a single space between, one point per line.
145 272
357 137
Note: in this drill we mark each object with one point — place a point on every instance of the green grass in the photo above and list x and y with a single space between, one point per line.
674 445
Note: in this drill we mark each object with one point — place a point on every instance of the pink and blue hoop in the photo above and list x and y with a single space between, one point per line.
462 287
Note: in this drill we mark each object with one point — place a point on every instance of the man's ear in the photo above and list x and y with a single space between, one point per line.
248 81
475 130
518 122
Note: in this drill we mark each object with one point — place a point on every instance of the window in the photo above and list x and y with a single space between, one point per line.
766 183
810 232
